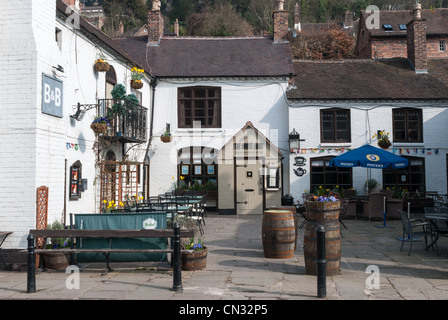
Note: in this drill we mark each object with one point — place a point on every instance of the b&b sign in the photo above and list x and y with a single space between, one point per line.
52 96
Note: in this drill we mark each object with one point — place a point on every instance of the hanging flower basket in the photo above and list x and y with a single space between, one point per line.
101 66
166 139
136 84
194 260
384 144
99 127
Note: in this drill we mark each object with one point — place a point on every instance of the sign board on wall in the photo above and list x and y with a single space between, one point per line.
52 96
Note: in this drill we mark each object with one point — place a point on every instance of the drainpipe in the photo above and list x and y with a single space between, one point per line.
146 160
151 127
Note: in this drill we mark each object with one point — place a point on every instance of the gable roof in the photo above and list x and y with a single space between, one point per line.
211 56
436 22
388 79
254 133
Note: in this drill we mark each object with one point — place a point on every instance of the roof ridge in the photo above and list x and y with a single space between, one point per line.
216 38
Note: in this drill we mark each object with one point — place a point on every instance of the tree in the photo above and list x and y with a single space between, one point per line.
328 43
219 20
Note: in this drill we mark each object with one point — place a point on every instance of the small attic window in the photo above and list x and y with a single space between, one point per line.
387 27
402 26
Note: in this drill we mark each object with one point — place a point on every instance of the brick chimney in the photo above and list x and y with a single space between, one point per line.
348 23
280 17
155 24
416 40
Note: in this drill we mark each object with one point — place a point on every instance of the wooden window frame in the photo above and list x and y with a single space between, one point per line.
407 138
339 171
335 127
194 100
409 172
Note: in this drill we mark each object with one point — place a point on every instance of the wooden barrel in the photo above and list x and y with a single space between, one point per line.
278 234
294 214
325 214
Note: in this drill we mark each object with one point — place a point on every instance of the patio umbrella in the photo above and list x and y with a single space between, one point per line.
370 157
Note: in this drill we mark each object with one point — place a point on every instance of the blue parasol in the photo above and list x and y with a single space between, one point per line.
370 157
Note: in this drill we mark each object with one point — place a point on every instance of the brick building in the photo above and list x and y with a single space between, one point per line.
388 38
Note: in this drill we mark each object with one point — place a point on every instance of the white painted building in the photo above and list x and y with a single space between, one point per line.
227 84
336 106
47 56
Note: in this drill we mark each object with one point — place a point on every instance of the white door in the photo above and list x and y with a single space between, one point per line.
249 189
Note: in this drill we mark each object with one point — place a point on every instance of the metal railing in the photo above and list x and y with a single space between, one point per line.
128 120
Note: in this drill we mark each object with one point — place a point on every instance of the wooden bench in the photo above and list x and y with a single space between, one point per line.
174 233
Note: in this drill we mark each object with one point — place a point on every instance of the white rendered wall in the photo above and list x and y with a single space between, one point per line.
36 146
260 101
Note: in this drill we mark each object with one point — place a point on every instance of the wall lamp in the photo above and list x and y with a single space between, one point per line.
294 140
59 68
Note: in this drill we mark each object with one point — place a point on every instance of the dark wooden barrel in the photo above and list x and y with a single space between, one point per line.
325 214
294 214
278 234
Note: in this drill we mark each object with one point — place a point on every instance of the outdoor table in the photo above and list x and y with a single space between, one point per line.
434 218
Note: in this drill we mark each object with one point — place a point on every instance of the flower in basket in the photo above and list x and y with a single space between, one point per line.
136 74
195 246
99 119
383 139
101 58
58 243
101 63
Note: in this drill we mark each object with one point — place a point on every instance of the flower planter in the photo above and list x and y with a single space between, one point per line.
194 260
56 260
101 66
166 139
99 127
136 84
325 214
384 144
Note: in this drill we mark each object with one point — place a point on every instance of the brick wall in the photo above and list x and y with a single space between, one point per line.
389 48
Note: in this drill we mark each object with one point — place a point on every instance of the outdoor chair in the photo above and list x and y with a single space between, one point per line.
374 207
342 214
301 210
414 228
351 205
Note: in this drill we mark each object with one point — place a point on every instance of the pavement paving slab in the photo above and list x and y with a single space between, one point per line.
238 271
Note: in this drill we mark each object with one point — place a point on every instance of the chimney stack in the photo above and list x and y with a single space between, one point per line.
297 26
348 19
155 24
176 27
416 40
280 17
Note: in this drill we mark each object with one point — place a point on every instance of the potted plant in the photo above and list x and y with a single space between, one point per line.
57 260
136 76
101 63
100 125
383 139
194 255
